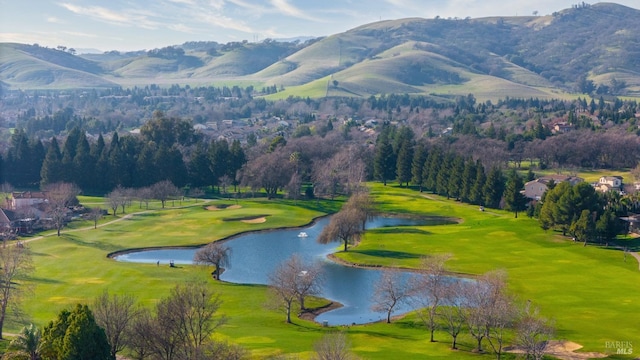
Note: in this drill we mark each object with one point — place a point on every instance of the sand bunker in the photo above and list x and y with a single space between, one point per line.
259 220
222 207
565 350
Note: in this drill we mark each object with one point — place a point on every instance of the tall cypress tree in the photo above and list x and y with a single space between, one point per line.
199 167
69 153
404 161
384 159
418 164
455 177
514 199
468 179
51 171
147 173
238 159
477 195
442 177
83 164
431 169
493 188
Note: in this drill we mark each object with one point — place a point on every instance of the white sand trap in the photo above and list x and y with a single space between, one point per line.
259 220
212 208
565 350
232 207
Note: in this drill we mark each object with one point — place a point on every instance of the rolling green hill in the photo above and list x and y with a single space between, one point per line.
33 67
586 49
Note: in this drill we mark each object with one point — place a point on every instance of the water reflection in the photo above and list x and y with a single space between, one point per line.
254 256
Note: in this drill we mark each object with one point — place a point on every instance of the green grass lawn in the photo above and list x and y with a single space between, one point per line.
591 293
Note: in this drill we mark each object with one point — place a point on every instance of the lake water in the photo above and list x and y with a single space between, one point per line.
254 256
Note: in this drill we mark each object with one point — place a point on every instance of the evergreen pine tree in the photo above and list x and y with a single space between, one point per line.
442 178
404 162
477 195
51 167
75 335
468 180
455 177
83 164
493 188
384 159
514 199
417 165
431 169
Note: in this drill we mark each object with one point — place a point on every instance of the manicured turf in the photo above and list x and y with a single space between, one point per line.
592 294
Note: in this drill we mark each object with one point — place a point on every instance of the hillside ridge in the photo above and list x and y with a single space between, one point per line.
572 51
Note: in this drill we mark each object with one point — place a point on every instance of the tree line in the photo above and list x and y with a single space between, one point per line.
167 149
578 210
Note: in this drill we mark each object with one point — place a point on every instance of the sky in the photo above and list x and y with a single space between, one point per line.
128 25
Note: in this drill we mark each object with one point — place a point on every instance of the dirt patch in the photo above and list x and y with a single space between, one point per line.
310 314
259 220
565 350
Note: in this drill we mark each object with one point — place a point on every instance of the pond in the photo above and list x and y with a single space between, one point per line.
255 255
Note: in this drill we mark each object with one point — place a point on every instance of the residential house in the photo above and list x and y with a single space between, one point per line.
561 127
609 183
20 200
534 189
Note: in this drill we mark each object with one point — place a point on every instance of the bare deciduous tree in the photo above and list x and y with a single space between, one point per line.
115 314
490 310
344 226
292 281
334 346
164 190
222 350
216 254
390 291
196 193
533 333
15 263
270 171
59 197
294 187
139 335
144 195
363 203
183 323
95 214
429 288
453 310
115 198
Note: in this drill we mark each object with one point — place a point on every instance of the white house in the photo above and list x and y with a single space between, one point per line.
534 189
20 200
609 183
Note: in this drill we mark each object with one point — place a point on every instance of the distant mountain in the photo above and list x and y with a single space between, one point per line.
82 51
586 49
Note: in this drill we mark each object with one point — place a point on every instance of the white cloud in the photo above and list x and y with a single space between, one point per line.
55 20
125 17
284 7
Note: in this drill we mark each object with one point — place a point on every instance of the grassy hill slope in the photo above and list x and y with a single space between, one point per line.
526 56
